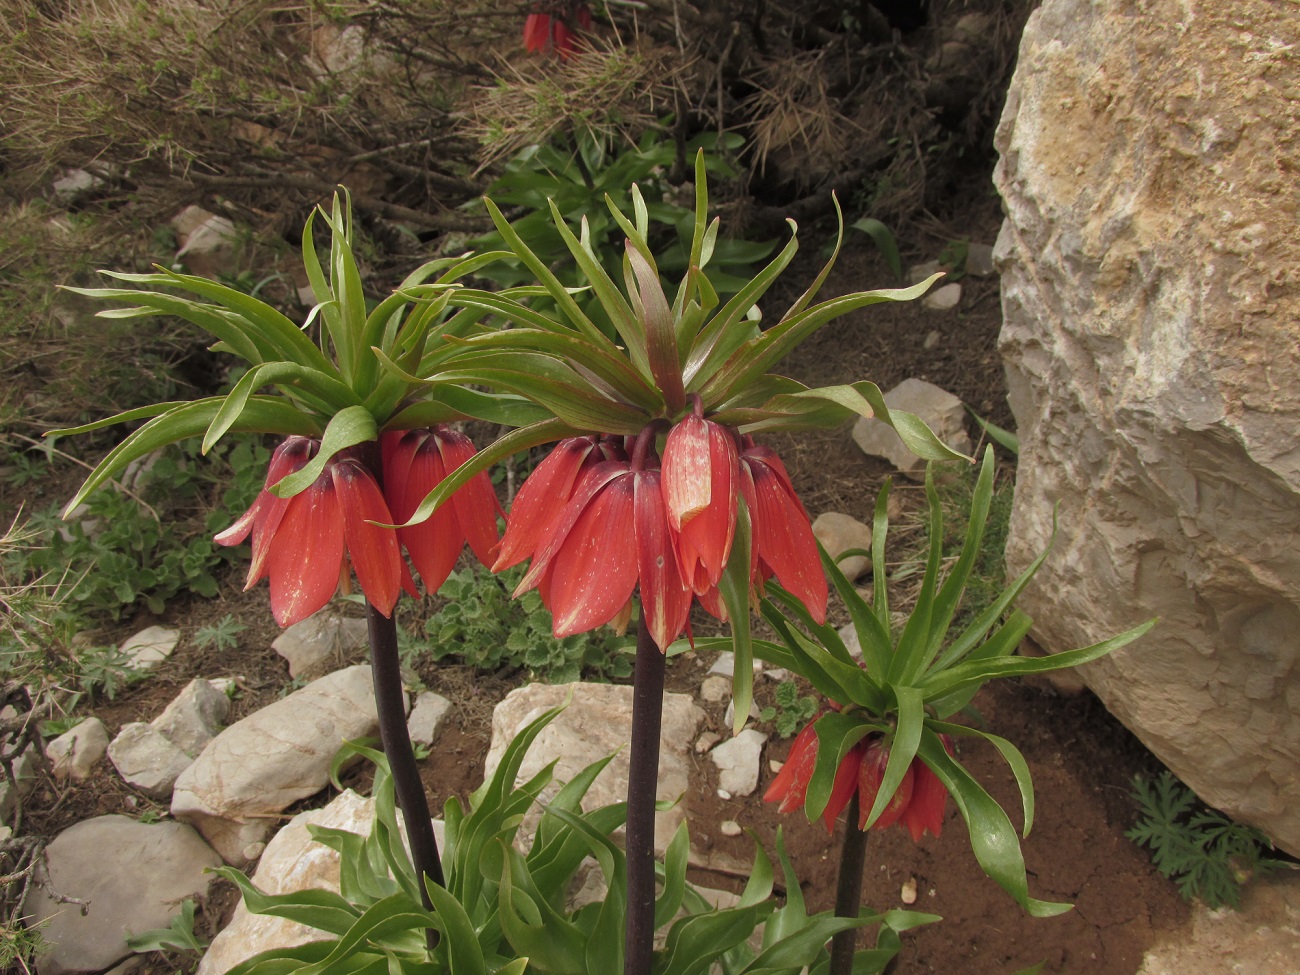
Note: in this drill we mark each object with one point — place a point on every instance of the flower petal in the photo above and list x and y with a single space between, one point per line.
704 540
372 549
475 505
306 553
595 570
536 506
434 544
869 780
790 787
784 539
665 599
846 780
687 484
929 801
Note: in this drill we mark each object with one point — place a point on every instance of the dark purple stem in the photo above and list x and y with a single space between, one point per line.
642 784
391 704
848 890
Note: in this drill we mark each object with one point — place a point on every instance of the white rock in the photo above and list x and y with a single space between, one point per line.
776 674
76 752
754 714
850 637
1150 306
150 647
724 795
208 241
839 533
775 766
944 298
714 688
428 717
941 411
729 827
596 723
908 894
706 741
73 183
24 767
932 340
919 272
292 861
725 665
194 717
320 643
271 759
737 760
147 759
134 876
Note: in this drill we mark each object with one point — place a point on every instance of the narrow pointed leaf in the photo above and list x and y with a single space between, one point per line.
660 333
902 748
347 428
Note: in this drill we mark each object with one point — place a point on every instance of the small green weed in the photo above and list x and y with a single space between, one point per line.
179 936
222 635
1206 854
483 626
792 710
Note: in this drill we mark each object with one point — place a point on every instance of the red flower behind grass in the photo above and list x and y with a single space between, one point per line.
553 29
918 803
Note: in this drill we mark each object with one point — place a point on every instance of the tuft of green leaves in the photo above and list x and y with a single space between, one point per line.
1206 854
179 936
483 626
222 635
791 711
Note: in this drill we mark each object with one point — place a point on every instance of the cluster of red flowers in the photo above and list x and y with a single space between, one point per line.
601 516
553 30
918 803
306 544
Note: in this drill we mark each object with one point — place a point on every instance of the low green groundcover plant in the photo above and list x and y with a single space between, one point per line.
1207 855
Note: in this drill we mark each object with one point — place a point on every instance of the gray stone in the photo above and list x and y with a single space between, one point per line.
292 861
428 718
754 713
941 411
838 533
271 759
714 689
147 759
25 773
979 260
725 665
320 643
76 752
134 876
74 183
1150 298
1263 936
944 298
194 717
737 760
150 647
208 241
597 722
919 272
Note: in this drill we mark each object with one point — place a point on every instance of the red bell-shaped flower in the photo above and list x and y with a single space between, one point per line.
918 802
700 475
416 462
610 534
783 542
305 543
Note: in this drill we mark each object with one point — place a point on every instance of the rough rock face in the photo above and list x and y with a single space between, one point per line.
1151 294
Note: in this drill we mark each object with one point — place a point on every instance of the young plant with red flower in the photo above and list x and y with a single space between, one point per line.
884 750
333 492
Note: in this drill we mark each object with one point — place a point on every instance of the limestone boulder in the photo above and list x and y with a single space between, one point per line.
597 722
133 877
1151 297
271 759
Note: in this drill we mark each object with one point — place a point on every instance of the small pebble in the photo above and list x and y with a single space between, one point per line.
775 766
706 741
932 340
724 794
730 827
908 893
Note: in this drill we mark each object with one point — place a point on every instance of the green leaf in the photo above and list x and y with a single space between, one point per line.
1011 754
902 747
464 954
322 909
734 587
346 428
660 334
993 839
884 240
836 735
339 394
262 414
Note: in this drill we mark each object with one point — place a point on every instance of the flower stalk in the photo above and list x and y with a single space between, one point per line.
848 890
642 783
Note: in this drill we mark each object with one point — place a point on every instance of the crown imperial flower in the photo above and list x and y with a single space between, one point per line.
700 475
306 543
918 802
